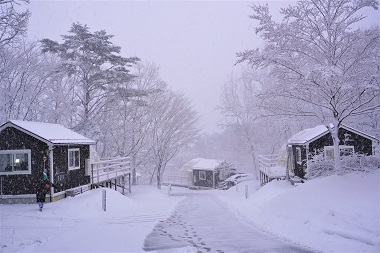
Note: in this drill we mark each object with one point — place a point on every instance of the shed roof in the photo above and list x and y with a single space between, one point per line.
201 164
310 134
48 132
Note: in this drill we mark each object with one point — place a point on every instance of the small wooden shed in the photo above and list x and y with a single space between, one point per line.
304 145
28 148
205 173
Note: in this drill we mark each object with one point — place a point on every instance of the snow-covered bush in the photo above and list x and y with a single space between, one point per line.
321 166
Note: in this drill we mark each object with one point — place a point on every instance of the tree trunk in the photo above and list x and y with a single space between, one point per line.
159 178
337 162
133 168
255 170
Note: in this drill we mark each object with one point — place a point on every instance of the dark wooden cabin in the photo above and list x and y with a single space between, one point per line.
309 142
23 146
205 173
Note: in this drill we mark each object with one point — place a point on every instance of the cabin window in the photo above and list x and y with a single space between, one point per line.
202 175
15 162
344 151
74 158
298 155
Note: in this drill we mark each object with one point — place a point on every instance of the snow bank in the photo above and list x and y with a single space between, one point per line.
78 224
332 214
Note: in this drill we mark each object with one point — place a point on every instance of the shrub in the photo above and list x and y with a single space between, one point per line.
321 166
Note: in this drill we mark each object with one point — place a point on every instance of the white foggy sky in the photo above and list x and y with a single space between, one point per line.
193 42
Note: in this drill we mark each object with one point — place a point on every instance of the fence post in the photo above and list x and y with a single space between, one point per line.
246 191
104 200
169 189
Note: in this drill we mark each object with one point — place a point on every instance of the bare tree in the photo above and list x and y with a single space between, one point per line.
239 105
174 126
13 25
24 76
326 67
128 134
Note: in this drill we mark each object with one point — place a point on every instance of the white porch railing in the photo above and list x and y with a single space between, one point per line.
110 169
269 169
177 181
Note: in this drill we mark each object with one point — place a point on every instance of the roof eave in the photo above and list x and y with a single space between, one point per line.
11 124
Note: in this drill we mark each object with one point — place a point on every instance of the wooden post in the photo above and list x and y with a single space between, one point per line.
123 183
104 200
246 191
129 181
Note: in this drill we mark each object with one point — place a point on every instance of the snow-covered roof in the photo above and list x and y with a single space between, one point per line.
311 134
48 132
308 135
201 164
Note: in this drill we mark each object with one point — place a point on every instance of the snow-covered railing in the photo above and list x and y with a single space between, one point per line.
107 170
269 168
177 181
266 162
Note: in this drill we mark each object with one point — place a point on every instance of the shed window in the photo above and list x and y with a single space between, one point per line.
298 155
202 175
344 151
15 161
74 159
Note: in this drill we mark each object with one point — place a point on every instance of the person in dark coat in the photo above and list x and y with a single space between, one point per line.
43 187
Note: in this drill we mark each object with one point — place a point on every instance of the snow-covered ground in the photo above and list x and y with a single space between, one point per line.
79 224
332 214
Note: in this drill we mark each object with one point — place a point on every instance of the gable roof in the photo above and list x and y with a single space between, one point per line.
201 164
48 132
310 134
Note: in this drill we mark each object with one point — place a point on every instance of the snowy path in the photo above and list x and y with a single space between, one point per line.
203 223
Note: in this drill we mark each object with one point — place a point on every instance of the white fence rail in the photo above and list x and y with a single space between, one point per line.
110 169
177 181
269 169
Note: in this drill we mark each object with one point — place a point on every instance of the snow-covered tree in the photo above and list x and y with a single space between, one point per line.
128 134
98 66
241 111
13 24
174 126
24 77
326 64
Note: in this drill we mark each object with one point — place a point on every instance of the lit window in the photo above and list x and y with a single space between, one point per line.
15 162
74 159
202 175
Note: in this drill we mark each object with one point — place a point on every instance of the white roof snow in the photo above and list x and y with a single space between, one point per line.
311 134
201 164
308 134
53 133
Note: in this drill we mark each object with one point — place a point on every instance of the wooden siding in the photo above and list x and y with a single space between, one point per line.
65 178
204 183
14 139
361 145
